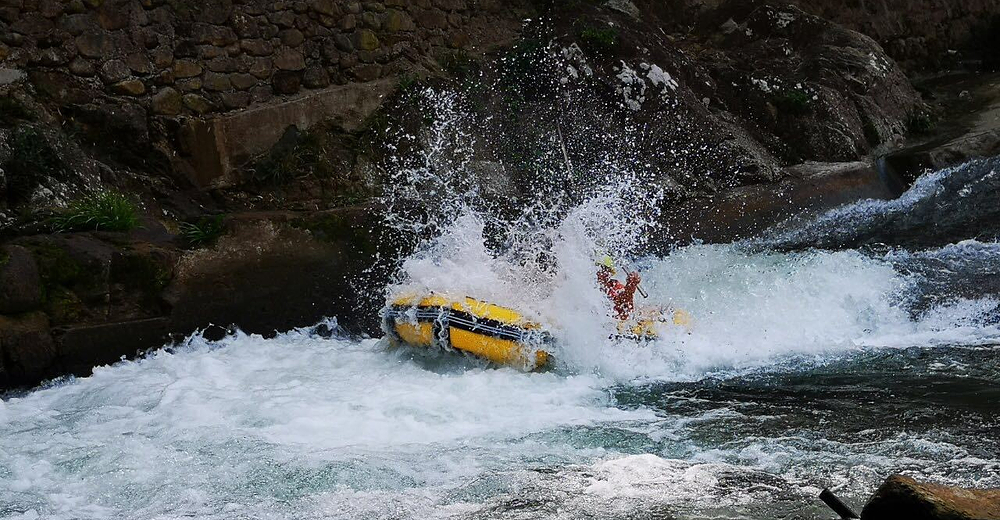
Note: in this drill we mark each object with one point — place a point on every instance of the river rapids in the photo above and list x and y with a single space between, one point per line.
805 369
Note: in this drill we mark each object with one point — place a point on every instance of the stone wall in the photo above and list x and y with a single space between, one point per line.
189 57
920 34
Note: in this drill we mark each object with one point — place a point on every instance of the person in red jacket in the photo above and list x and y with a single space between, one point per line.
622 296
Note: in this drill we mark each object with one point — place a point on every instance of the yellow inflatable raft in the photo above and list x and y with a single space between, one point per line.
645 323
496 333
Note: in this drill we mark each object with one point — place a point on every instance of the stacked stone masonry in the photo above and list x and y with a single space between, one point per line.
194 57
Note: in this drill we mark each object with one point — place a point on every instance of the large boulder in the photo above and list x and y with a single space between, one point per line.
904 497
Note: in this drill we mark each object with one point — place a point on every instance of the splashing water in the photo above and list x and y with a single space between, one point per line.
803 370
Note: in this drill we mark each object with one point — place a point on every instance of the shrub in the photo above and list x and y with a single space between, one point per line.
794 101
203 232
920 122
600 39
106 210
407 83
31 157
304 154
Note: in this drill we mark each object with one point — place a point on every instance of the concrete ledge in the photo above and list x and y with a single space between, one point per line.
218 146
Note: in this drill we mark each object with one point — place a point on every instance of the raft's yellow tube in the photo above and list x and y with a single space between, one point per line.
496 333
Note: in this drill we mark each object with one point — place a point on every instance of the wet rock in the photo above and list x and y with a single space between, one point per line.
83 347
259 260
27 349
257 47
20 283
167 102
747 211
904 497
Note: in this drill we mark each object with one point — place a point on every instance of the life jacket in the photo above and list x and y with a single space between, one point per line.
621 295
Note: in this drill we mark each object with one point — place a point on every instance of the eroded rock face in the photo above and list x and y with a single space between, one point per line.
904 497
20 285
27 351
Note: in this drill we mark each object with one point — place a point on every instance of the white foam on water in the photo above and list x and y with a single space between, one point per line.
262 423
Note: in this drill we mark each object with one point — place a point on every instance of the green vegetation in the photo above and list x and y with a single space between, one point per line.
106 210
12 112
59 271
63 305
203 232
55 265
407 83
31 157
599 39
142 271
307 156
793 101
920 122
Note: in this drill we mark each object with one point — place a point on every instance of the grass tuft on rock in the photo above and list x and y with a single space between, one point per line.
920 122
203 232
106 210
295 156
599 39
794 102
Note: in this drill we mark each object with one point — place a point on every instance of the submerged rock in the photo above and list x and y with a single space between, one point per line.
904 497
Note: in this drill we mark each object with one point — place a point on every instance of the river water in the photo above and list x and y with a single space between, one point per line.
804 369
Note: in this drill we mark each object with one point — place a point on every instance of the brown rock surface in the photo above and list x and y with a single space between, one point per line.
902 497
20 284
27 351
